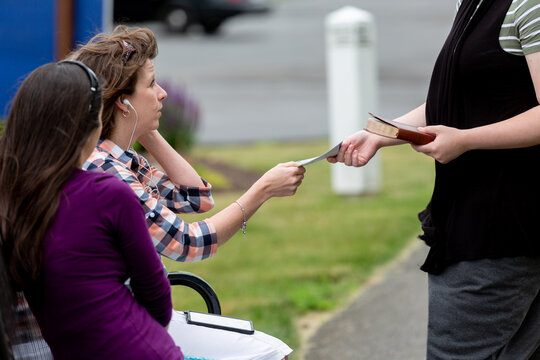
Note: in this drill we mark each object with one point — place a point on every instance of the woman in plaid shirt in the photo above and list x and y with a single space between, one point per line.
132 104
132 101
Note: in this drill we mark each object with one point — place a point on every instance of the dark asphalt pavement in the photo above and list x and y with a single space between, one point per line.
264 77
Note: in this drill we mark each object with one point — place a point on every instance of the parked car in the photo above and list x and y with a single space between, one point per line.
179 15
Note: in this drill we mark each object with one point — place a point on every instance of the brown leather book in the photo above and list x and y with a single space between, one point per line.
396 130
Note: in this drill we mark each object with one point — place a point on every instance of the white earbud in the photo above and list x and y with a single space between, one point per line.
126 102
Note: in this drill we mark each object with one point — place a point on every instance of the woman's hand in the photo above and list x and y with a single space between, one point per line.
282 180
175 166
448 144
149 139
357 149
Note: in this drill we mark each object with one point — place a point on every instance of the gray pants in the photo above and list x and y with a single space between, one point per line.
485 309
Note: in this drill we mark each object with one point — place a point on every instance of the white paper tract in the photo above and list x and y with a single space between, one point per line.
332 152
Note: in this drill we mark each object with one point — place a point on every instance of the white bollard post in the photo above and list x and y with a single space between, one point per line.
352 91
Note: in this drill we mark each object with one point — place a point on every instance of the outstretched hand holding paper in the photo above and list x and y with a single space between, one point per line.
332 152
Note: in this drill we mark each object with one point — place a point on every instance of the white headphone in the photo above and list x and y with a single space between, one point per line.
126 102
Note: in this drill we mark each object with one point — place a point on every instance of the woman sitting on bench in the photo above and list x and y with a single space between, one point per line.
71 238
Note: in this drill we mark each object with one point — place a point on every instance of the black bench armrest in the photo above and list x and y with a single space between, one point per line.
200 285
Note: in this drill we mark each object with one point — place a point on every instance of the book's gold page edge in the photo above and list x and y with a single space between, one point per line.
381 128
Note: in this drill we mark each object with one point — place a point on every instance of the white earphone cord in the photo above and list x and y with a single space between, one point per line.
136 121
152 186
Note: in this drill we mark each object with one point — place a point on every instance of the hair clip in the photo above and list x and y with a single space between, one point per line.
129 51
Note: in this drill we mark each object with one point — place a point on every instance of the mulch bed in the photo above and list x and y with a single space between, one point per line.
239 179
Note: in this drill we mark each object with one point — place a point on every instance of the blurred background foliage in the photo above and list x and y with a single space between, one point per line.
180 117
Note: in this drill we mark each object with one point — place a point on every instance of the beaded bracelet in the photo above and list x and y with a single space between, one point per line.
244 222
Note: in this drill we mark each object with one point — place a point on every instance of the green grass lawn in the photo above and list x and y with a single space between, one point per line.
308 252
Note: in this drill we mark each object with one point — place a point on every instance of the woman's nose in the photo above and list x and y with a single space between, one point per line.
162 94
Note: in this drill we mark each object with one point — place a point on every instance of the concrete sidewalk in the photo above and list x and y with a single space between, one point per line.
386 321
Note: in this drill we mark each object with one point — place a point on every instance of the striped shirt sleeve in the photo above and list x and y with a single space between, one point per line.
524 15
520 31
178 199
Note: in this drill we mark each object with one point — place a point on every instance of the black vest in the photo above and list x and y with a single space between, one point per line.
485 203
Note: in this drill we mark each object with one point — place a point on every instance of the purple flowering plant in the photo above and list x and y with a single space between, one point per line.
180 117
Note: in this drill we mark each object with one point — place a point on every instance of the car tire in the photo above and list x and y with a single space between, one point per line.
177 19
212 27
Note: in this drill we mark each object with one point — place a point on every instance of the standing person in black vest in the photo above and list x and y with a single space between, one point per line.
481 222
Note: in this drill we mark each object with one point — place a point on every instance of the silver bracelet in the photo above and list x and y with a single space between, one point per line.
244 222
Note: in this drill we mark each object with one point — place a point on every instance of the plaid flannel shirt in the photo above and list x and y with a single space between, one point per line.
161 200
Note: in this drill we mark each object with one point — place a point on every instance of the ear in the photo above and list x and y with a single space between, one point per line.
120 105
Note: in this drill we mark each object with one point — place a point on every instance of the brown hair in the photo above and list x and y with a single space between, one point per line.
106 55
51 118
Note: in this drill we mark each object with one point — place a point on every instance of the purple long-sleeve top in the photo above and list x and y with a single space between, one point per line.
97 241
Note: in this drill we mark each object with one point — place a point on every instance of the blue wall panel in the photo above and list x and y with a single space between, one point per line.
88 19
27 38
26 42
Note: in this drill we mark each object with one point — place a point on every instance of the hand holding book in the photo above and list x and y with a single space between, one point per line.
396 130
